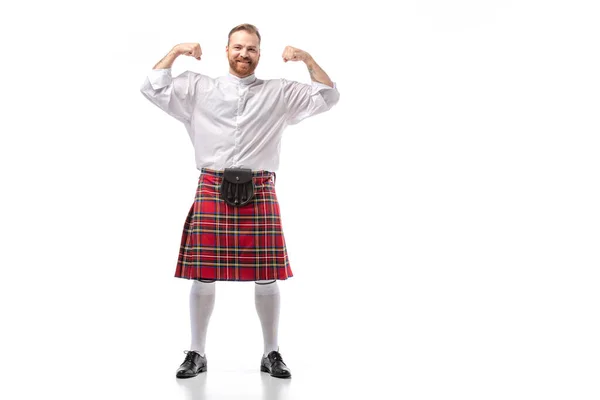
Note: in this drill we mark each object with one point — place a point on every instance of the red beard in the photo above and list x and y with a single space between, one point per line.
242 68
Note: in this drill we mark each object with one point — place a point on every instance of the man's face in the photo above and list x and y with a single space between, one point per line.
243 53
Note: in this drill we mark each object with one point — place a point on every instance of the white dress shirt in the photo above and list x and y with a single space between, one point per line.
236 122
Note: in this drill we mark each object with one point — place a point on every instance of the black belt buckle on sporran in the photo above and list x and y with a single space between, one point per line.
237 187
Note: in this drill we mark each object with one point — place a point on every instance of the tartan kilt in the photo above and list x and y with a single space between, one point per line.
226 243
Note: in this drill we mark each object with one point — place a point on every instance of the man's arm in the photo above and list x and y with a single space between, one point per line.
316 72
189 49
167 61
175 96
302 100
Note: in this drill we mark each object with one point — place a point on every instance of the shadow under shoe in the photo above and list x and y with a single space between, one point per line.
274 365
193 364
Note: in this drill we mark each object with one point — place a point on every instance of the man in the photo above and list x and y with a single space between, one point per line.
235 123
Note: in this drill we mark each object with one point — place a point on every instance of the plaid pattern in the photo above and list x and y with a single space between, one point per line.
227 243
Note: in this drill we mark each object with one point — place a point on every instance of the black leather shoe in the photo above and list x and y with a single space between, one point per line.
274 365
193 364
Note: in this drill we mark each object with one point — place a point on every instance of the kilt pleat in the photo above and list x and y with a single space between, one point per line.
222 242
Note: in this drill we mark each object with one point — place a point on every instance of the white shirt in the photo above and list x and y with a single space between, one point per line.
236 122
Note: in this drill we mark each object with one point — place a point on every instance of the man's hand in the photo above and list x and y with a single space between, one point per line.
293 54
189 49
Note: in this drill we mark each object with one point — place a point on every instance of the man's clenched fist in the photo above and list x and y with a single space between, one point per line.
189 49
293 54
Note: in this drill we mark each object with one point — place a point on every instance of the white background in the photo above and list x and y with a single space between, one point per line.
442 220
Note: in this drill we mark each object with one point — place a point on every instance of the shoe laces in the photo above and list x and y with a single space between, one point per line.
189 358
275 356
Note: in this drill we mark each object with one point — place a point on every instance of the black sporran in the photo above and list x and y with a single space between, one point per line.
237 187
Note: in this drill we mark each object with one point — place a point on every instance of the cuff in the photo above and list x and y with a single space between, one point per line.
159 78
318 86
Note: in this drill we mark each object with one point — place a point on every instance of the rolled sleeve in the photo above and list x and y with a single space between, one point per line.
159 78
175 96
303 100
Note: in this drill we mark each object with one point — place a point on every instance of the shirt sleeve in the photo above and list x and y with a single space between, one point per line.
303 100
176 96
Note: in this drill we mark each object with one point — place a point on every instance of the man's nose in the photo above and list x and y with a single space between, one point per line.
243 53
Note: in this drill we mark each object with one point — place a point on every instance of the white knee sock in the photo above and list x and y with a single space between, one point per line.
267 300
202 302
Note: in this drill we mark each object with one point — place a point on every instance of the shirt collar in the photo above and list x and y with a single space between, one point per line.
241 81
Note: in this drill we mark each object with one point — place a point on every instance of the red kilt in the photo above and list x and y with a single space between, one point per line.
226 243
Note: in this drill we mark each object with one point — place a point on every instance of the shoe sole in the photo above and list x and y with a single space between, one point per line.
265 369
191 376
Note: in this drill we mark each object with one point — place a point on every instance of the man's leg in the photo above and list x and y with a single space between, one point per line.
202 301
267 302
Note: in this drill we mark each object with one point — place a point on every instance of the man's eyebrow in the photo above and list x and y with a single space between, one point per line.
237 44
